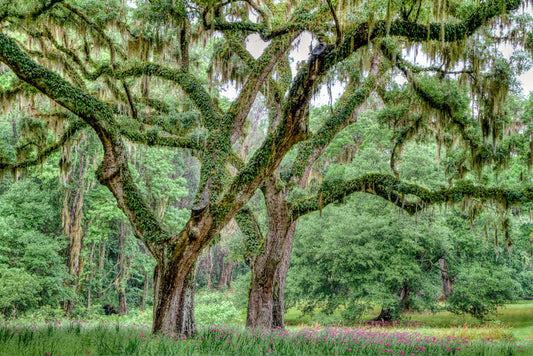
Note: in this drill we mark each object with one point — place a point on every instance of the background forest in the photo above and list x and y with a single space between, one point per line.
265 163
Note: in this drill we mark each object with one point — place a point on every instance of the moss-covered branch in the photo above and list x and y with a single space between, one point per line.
452 104
6 10
261 70
74 127
114 171
153 136
211 117
480 15
399 193
352 98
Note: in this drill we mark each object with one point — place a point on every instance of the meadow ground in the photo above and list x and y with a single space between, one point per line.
439 334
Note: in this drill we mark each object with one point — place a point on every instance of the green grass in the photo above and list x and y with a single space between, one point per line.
513 321
81 338
435 334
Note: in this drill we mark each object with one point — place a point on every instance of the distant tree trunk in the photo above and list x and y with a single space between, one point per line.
224 279
145 291
404 303
269 268
72 218
14 127
386 315
225 269
123 263
101 263
447 287
209 259
91 276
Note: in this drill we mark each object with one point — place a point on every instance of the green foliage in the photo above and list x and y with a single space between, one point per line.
480 291
19 291
216 309
31 245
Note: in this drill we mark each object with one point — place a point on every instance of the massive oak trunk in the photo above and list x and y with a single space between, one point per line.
173 301
269 269
174 282
278 311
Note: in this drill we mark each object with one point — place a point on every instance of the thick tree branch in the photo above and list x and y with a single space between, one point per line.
397 192
449 103
74 127
415 32
211 117
273 88
114 171
151 136
352 98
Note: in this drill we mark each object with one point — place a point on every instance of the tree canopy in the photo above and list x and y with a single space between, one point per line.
139 75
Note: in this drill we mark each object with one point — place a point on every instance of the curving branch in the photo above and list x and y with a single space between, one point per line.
114 171
273 91
32 15
74 127
151 136
337 24
448 103
189 83
343 115
396 191
415 32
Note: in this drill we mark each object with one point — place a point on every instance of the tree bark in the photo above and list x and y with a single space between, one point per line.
225 274
270 267
174 285
225 268
173 303
278 311
447 287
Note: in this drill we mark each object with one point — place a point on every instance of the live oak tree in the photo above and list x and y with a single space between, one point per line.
406 111
100 61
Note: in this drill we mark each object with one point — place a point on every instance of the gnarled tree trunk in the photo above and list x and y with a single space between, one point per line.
173 300
270 266
278 311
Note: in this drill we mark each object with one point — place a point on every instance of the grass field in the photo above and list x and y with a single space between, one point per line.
439 334
516 319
